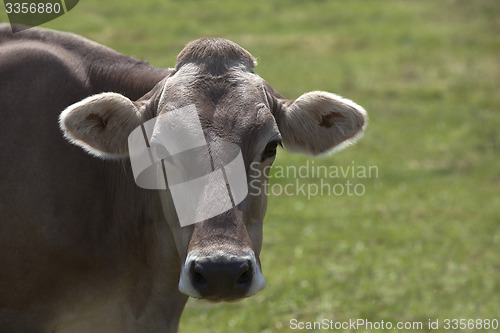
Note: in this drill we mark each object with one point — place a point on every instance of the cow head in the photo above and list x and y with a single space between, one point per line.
220 255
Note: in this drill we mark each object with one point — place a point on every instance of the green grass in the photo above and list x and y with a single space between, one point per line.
424 240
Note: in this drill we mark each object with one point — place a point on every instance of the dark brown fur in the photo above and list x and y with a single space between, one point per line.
60 209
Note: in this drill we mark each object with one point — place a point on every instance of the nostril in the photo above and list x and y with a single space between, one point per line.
197 278
246 275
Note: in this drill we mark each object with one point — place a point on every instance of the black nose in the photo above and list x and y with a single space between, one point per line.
221 278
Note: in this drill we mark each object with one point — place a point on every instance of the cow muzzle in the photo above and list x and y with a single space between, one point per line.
221 276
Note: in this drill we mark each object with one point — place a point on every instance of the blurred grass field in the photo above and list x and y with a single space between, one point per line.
423 241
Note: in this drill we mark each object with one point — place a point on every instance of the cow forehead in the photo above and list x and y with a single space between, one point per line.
214 55
232 105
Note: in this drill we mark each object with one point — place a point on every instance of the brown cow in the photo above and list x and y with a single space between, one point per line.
82 247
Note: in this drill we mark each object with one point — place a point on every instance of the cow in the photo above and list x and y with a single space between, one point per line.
82 247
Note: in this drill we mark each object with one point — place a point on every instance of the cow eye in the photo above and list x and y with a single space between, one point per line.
270 150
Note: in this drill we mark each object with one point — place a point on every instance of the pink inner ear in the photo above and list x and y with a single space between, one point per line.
97 120
328 120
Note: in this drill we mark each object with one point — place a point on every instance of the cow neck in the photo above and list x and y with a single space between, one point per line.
129 77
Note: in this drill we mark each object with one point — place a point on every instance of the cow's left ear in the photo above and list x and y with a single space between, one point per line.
319 122
101 124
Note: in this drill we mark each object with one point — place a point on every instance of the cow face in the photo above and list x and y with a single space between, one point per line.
220 255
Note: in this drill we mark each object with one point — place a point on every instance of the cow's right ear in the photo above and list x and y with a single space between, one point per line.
101 124
319 122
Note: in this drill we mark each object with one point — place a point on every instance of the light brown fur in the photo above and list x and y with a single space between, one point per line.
84 248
